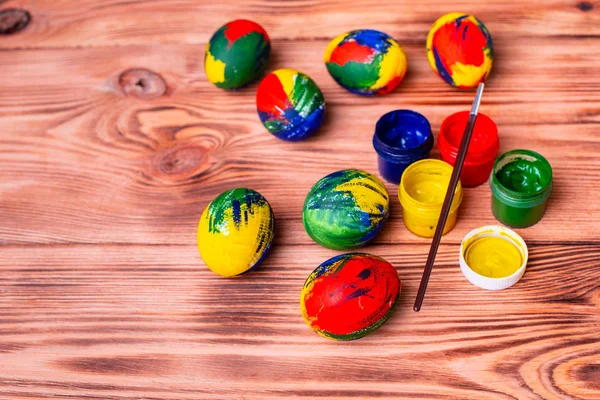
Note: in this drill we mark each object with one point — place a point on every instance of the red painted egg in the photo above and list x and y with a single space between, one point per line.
350 296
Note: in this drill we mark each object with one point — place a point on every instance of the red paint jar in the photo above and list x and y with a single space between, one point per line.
483 148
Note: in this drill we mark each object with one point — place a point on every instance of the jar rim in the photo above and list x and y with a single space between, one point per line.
482 124
513 197
390 150
408 201
487 282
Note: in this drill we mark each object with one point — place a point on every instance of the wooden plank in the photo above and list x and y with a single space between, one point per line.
84 163
104 294
115 22
128 321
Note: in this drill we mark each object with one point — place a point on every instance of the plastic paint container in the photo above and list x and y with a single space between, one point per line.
401 138
421 193
521 183
493 257
483 148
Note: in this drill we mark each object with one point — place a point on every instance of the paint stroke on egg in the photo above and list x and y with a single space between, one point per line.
235 231
460 50
290 104
350 295
240 28
237 54
366 62
346 209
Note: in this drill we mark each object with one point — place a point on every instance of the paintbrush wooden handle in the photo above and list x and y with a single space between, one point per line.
454 178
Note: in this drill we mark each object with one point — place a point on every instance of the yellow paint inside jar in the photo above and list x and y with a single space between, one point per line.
422 191
429 192
493 257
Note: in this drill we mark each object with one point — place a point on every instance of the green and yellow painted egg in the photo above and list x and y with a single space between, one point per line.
460 50
350 295
346 209
366 62
235 232
237 54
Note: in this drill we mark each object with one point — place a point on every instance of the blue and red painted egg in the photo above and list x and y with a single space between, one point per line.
290 104
350 296
460 50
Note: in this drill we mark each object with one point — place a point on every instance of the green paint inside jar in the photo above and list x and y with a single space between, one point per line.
521 183
523 176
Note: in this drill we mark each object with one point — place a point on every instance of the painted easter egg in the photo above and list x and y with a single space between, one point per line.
350 296
460 50
290 104
235 232
366 62
237 54
346 209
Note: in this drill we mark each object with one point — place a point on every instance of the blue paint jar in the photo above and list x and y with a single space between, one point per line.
401 138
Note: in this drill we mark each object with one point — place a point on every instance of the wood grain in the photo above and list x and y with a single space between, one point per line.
157 164
102 182
84 319
134 22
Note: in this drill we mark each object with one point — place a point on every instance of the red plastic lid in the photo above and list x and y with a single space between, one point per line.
484 142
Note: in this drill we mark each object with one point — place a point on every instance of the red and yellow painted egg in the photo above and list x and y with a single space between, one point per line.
237 54
235 232
460 50
350 296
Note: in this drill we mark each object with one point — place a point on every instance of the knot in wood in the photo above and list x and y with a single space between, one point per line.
13 20
142 83
585 6
179 162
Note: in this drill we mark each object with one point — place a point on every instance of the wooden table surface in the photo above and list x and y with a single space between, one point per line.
103 294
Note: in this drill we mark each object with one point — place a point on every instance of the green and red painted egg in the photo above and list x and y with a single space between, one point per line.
237 54
350 296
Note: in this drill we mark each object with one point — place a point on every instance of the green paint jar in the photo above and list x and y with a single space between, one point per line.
521 183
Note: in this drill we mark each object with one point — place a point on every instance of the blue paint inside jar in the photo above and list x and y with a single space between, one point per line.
401 138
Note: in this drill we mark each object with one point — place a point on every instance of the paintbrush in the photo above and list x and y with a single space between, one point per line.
460 160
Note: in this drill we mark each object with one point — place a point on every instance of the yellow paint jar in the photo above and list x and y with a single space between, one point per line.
421 192
493 257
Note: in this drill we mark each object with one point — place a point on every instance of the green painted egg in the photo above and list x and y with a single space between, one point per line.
346 209
237 54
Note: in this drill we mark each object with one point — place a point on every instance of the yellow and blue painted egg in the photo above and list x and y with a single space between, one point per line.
460 50
235 232
237 54
366 62
350 295
346 209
